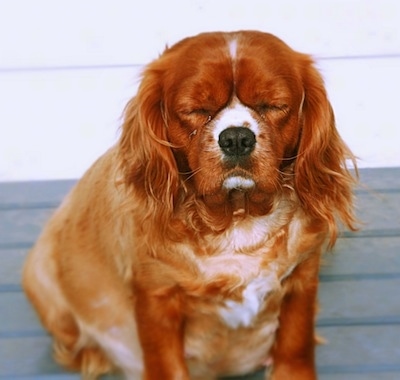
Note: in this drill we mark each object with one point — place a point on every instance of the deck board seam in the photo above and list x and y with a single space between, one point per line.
376 321
373 233
359 369
324 278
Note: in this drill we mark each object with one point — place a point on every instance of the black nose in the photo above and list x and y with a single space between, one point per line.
237 141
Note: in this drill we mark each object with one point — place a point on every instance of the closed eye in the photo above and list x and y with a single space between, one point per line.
197 116
200 111
263 108
204 113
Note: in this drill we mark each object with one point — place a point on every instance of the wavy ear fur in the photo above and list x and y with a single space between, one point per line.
322 178
146 157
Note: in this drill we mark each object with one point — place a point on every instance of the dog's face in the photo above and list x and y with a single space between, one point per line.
233 105
234 118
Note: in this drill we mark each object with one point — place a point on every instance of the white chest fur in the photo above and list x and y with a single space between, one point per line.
241 314
241 253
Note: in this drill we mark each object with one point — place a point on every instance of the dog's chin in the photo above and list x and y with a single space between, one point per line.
238 182
239 193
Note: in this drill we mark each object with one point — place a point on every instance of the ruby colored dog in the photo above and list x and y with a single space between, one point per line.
191 249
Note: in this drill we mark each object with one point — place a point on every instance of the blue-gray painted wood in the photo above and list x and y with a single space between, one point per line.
360 307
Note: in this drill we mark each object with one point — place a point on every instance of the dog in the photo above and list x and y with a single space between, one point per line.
191 249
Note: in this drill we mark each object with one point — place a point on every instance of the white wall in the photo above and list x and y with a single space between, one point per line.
67 68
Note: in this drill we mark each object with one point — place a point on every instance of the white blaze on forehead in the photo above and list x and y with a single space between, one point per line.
235 116
233 48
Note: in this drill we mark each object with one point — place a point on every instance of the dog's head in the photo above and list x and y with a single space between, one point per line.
221 114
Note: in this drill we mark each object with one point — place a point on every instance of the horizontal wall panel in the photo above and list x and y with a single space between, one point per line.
46 33
57 123
364 97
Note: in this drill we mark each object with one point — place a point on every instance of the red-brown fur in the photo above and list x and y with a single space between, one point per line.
136 268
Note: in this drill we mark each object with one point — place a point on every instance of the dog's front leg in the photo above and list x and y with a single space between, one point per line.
160 324
293 355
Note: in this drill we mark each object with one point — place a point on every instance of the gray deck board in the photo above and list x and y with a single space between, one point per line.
360 282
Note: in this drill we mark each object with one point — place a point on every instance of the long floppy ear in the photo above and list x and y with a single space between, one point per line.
146 158
323 181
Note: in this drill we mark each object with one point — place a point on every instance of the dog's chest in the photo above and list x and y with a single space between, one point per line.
246 268
238 318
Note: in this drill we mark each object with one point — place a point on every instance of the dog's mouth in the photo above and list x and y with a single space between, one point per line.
239 193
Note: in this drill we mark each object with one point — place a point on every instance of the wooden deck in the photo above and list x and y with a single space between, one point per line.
359 293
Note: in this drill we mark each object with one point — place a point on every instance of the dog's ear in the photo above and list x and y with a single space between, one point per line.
322 179
146 157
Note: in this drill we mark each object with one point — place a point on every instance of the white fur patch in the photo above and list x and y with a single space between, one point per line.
233 49
246 233
240 252
238 182
288 272
236 116
236 314
121 345
100 302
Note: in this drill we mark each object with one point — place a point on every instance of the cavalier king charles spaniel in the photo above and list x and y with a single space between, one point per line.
191 249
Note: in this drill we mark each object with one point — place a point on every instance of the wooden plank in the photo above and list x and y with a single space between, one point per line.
61 376
20 227
27 193
31 356
10 269
359 349
352 259
350 302
360 315
18 318
342 303
259 376
379 179
379 210
26 356
366 256
33 194
363 376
